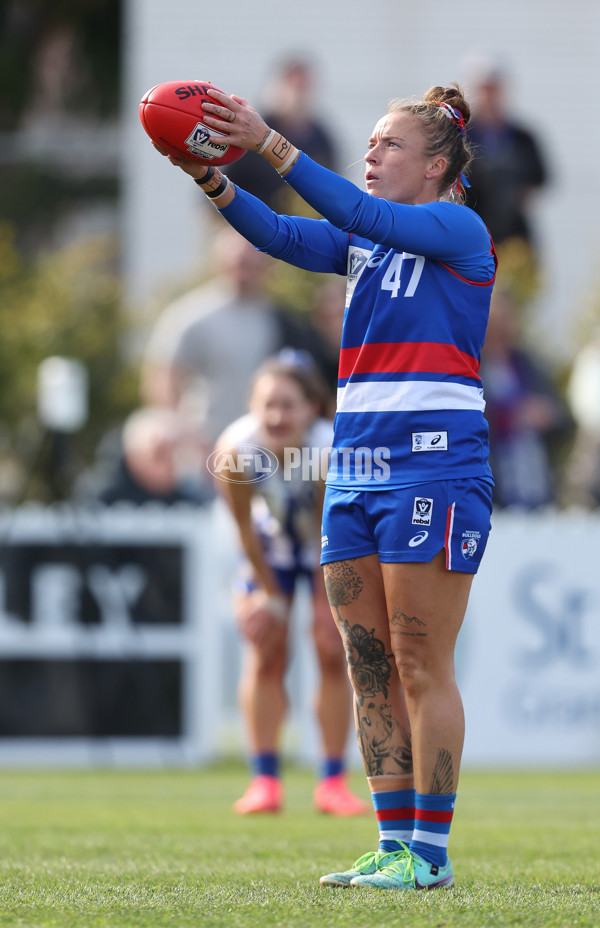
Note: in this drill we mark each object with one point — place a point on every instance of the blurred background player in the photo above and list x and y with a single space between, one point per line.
278 522
206 345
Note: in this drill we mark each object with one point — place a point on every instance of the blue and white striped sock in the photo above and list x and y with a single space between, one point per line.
433 817
395 814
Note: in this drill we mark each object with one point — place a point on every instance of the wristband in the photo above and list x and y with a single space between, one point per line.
288 162
206 177
267 142
213 194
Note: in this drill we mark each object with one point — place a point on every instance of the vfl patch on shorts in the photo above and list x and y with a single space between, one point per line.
402 525
422 510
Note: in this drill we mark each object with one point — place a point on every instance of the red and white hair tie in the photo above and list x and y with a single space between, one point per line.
455 115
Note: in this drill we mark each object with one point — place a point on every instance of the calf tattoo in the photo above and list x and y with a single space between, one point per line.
370 666
442 780
377 732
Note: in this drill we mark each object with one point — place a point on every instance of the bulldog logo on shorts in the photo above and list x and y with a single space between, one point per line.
422 511
469 543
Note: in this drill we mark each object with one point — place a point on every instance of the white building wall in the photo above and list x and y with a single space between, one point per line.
368 53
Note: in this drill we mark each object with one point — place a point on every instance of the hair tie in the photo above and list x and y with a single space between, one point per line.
460 182
455 115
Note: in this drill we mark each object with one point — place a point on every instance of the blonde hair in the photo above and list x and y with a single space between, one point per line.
444 134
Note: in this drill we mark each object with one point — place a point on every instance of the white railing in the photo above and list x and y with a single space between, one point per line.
117 643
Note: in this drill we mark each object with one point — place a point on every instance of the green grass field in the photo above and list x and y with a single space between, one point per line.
130 848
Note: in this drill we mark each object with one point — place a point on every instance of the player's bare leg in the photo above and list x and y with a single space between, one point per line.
333 706
357 598
263 703
427 604
262 695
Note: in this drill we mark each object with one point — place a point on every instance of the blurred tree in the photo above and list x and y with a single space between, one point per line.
67 303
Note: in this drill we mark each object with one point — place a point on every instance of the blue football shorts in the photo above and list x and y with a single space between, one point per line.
287 578
410 524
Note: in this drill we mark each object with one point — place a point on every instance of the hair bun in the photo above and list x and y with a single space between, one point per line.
452 95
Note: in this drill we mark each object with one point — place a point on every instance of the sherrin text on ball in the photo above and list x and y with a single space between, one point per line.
171 113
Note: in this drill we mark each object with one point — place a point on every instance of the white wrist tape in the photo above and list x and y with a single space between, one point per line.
267 142
288 162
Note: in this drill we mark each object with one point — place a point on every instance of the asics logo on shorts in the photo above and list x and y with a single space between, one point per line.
418 539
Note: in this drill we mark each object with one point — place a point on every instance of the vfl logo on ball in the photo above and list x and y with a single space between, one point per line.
197 142
249 464
422 511
469 543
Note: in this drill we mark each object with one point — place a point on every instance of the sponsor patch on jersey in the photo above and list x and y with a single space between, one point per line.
430 441
422 511
324 541
469 543
357 262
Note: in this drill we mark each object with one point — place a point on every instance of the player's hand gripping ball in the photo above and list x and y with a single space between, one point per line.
171 113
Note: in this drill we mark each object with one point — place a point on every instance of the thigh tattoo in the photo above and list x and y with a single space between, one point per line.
370 666
343 583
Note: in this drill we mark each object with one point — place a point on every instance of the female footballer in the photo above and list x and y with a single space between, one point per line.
277 513
403 539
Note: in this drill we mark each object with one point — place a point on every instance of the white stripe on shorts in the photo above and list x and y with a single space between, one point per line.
450 528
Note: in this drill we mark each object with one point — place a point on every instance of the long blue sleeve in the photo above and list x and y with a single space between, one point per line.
439 230
312 244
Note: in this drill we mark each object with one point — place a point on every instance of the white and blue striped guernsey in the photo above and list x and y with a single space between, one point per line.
418 296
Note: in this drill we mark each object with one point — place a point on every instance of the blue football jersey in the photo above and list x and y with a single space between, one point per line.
419 279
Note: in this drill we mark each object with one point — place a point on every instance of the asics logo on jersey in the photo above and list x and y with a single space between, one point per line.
418 539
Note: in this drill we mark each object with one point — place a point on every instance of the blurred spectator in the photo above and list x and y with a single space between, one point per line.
508 164
326 319
141 466
524 413
289 103
206 345
582 471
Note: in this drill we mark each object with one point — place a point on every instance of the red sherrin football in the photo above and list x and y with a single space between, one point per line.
171 113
